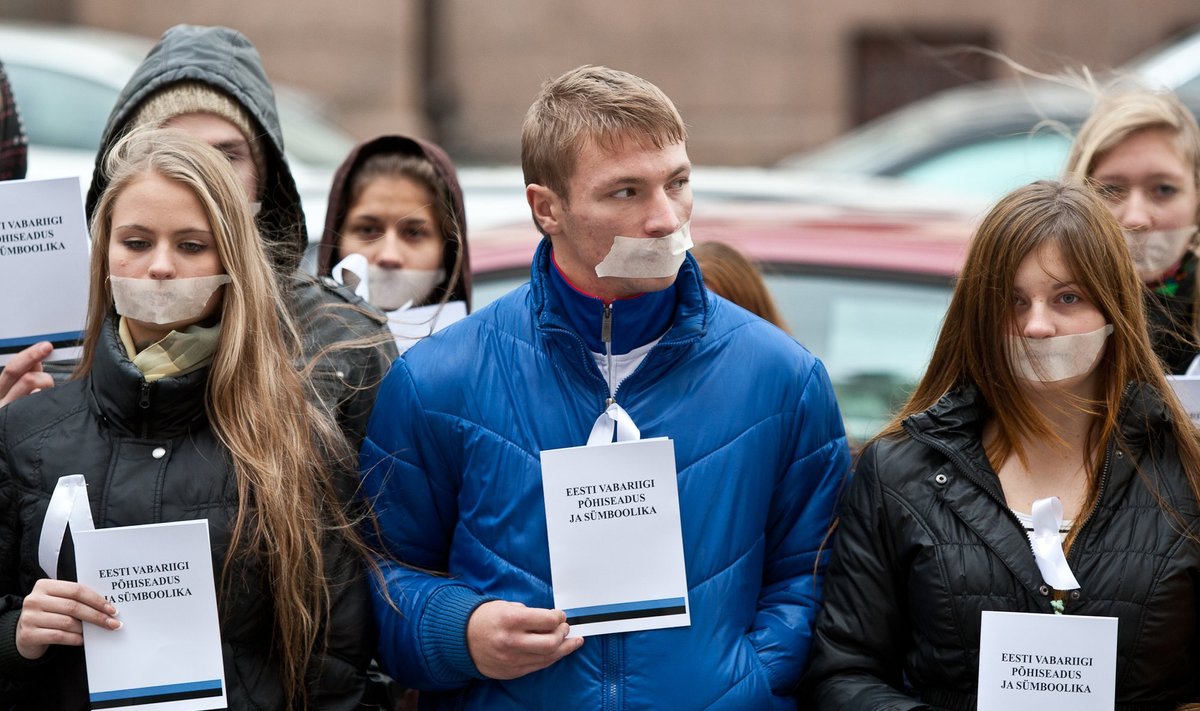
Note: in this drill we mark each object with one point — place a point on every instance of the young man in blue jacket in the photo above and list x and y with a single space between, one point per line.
452 453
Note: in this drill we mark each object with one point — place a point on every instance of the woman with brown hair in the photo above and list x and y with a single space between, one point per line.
396 233
186 405
1042 388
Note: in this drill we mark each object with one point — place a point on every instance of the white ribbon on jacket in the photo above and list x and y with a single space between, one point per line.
68 504
1046 538
613 417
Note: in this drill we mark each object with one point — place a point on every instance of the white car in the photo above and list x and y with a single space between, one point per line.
66 81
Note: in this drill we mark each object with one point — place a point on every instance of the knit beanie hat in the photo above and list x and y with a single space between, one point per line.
190 97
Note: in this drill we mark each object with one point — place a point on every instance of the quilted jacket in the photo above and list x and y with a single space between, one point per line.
926 544
452 459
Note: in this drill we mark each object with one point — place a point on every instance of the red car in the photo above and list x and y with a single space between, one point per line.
864 289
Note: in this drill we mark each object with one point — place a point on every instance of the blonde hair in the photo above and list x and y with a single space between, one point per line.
282 447
598 104
729 273
972 346
1121 114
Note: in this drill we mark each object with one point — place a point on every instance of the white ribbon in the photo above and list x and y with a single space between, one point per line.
1047 518
389 289
613 417
68 504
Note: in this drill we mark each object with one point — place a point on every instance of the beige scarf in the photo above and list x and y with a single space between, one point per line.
178 353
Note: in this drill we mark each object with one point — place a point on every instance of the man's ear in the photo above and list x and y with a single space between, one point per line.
547 208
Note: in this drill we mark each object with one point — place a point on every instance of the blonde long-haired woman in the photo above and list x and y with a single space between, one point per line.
1042 385
186 405
1140 150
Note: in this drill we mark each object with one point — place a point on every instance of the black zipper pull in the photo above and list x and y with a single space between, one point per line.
144 398
606 325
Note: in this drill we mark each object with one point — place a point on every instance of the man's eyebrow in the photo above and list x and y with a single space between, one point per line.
638 180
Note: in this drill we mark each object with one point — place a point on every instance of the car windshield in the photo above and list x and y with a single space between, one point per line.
874 334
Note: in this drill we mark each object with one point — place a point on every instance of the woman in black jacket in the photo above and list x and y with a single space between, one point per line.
182 410
1042 384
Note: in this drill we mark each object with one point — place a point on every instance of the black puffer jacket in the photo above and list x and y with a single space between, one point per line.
161 462
326 313
926 544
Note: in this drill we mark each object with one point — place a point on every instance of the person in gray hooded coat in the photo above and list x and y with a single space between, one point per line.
210 81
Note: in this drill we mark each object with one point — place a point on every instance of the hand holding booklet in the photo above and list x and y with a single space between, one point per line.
616 546
167 653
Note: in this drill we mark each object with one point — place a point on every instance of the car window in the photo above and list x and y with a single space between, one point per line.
875 337
308 136
990 169
487 288
60 110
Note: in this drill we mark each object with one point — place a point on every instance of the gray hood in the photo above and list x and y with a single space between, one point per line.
224 59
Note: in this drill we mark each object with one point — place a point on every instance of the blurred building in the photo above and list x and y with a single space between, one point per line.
755 81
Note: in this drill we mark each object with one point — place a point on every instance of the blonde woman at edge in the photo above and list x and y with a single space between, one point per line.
1140 151
195 412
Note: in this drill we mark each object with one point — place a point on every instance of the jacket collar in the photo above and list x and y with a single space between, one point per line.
636 320
957 419
690 318
688 325
969 486
165 408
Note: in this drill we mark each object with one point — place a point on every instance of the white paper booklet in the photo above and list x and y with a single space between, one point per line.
167 654
43 266
616 546
1045 662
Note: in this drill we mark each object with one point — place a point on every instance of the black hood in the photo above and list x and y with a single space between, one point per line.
225 60
454 249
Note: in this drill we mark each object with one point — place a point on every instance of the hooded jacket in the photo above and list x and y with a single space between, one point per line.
13 146
325 313
926 543
449 197
452 463
150 455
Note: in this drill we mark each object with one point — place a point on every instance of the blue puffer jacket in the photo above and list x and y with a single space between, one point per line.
452 459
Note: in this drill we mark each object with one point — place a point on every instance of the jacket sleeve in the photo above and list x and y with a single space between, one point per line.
337 673
12 664
801 513
421 614
858 651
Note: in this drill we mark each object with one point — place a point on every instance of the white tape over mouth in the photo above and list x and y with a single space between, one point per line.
647 257
1049 360
1157 251
163 301
388 289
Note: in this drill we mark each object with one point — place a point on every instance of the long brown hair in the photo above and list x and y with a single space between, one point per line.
972 348
284 449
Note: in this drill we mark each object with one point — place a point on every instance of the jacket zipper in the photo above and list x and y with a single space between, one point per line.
144 404
612 657
606 339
